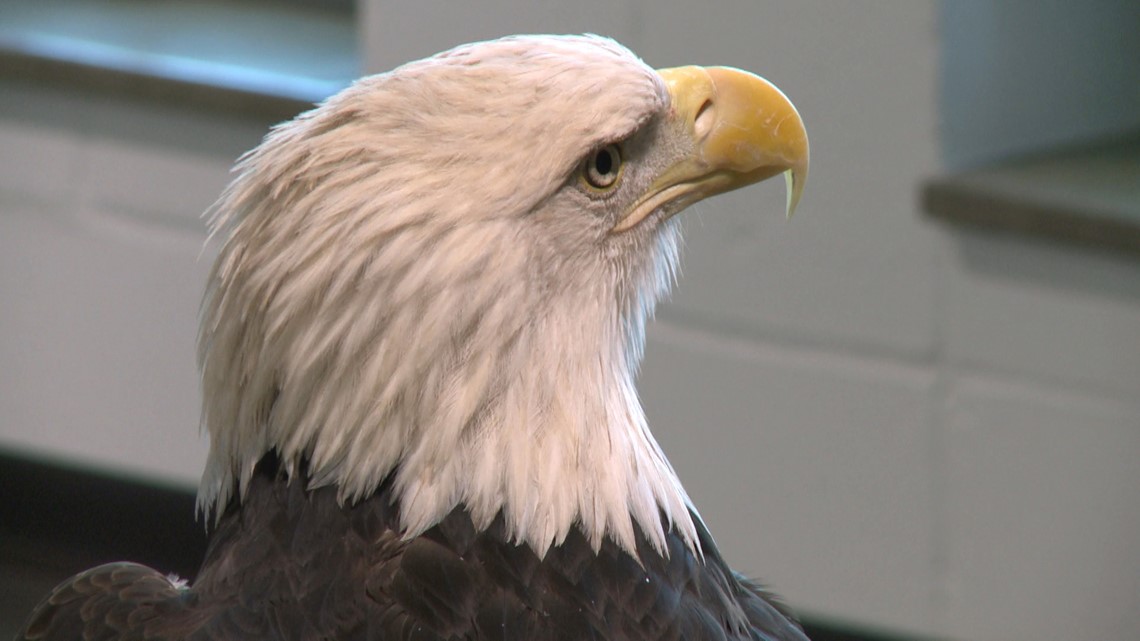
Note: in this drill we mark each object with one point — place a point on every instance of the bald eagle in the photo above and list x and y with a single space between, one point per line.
418 349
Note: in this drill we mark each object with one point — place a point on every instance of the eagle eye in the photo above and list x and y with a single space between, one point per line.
603 168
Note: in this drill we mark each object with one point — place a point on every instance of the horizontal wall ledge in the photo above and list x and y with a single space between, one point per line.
1087 196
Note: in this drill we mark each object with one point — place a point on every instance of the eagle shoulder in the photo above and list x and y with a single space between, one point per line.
116 601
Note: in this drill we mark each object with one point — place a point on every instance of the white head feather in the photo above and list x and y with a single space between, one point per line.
403 291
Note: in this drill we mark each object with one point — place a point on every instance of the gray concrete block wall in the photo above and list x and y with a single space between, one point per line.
890 422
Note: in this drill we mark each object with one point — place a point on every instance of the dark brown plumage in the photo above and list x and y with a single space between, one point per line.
296 565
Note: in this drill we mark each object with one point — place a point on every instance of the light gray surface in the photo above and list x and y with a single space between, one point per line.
100 238
810 469
1042 521
872 412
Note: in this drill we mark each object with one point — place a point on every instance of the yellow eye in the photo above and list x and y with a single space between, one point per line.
603 168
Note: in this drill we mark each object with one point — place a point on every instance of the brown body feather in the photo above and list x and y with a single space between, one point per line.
293 564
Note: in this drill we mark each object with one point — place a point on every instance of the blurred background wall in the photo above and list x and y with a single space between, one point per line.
894 423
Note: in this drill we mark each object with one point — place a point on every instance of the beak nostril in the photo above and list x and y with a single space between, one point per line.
703 120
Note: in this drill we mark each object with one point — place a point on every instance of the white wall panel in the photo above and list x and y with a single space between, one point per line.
1043 514
97 340
811 469
1064 316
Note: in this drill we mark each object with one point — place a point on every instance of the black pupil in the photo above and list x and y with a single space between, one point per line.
604 162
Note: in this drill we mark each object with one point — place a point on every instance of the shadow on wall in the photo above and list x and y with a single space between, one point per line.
1043 264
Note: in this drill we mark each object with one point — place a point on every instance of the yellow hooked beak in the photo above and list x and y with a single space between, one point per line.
744 130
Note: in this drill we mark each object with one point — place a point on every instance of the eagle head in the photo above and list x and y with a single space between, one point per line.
441 277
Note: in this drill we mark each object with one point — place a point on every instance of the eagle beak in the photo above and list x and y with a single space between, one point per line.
743 129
